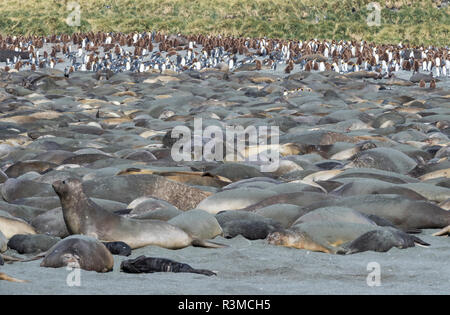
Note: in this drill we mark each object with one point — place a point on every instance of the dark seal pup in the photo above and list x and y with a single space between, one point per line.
151 264
83 216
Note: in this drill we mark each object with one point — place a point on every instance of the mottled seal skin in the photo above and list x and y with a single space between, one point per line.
406 214
20 167
79 251
28 244
118 248
143 264
83 216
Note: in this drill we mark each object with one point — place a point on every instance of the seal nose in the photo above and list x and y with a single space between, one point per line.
56 185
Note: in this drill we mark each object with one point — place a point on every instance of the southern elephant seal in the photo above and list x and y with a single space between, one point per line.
79 251
11 226
3 242
32 243
83 216
342 237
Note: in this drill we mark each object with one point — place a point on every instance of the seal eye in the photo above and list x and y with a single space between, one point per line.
64 182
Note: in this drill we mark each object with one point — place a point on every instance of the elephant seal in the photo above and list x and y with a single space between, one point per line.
150 264
32 243
336 237
3 242
386 159
252 230
234 199
198 223
334 214
10 226
83 216
80 251
406 214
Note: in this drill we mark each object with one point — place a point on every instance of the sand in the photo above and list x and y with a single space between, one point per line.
254 267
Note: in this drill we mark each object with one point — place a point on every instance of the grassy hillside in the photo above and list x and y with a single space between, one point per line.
413 21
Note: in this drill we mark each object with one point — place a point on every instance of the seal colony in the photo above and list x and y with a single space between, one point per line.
86 147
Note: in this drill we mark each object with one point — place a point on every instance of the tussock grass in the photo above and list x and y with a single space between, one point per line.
412 21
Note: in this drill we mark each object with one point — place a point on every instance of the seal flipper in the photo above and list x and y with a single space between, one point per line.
444 231
4 276
207 244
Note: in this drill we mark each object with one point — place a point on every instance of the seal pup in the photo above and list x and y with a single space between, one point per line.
83 216
79 251
152 264
32 243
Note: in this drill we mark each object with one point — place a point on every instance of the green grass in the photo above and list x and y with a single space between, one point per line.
414 21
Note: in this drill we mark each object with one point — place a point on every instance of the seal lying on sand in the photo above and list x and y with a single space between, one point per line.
83 216
11 226
79 251
342 237
151 264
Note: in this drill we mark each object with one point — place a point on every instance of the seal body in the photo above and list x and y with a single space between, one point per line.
79 251
83 216
143 264
12 226
342 237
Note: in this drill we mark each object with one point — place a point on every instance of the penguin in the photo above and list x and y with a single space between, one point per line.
432 84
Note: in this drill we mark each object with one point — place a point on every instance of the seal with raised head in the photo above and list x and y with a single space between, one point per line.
83 216
79 251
